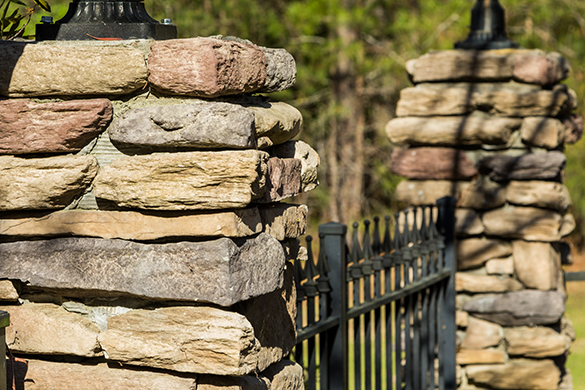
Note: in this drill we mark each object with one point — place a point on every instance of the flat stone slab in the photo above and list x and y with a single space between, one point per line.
541 256
526 223
48 329
310 161
527 307
527 66
543 194
536 342
543 132
217 271
472 130
47 375
481 334
463 100
64 70
533 166
517 374
63 127
467 222
284 220
206 67
474 252
184 181
44 183
480 356
467 282
204 125
427 163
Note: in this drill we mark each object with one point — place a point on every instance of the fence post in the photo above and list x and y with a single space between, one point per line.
335 250
447 229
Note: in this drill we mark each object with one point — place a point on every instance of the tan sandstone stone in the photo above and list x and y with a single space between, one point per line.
540 68
184 181
542 132
48 329
247 382
467 222
481 356
568 224
485 283
537 264
482 334
285 375
206 67
64 70
283 221
536 342
276 123
46 375
500 266
527 223
543 194
461 318
432 163
517 374
474 252
44 183
7 291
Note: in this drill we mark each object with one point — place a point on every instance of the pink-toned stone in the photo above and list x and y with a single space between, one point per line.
29 127
433 163
206 67
539 68
283 179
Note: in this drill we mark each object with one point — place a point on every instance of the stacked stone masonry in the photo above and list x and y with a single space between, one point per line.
489 128
143 241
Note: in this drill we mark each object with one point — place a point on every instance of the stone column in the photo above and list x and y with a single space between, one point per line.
488 127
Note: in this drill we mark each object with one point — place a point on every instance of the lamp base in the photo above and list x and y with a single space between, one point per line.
91 31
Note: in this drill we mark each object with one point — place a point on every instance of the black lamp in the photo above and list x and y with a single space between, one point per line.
488 28
105 20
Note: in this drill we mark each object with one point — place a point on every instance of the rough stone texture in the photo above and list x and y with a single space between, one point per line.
452 130
281 70
500 266
209 125
528 307
537 264
276 122
544 194
527 223
481 334
205 67
432 163
461 65
540 68
467 222
517 374
474 252
247 382
310 161
573 128
195 339
64 70
485 283
7 291
479 194
482 356
217 271
29 127
184 181
44 183
283 221
46 375
542 166
283 179
464 99
48 329
285 375
542 132
537 342
131 225
568 224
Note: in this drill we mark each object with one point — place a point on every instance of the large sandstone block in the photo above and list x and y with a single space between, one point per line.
485 283
202 125
64 70
539 166
48 329
62 127
481 334
206 67
540 68
184 181
46 375
132 225
542 132
283 179
527 223
310 161
467 222
543 194
527 307
517 374
44 183
194 339
217 271
452 131
536 342
481 356
432 164
464 99
537 264
276 122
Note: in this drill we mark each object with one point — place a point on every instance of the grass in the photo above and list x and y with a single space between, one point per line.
575 311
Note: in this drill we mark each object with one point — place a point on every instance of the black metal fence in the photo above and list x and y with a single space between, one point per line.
380 314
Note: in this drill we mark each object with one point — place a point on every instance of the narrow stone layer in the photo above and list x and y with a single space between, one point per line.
536 342
544 166
517 374
432 163
527 223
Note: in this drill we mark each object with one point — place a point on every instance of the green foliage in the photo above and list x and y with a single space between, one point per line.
15 15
